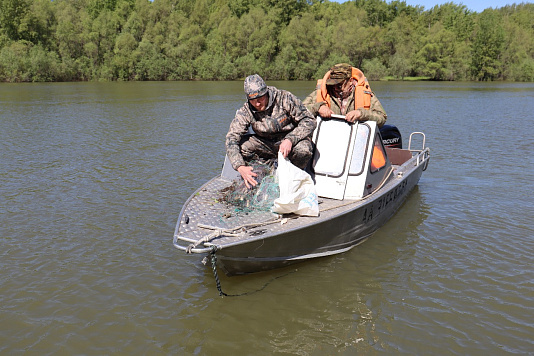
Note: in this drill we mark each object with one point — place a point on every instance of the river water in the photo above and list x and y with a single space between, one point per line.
93 176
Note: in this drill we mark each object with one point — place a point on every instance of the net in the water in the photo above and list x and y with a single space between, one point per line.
260 197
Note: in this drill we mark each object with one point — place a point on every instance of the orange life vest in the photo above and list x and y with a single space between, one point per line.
378 160
362 91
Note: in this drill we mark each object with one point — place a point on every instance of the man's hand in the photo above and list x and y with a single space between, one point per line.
325 111
248 175
285 147
353 116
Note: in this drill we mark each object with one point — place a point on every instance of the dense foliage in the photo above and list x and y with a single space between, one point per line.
68 40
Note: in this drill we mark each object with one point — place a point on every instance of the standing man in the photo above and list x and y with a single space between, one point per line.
281 123
344 90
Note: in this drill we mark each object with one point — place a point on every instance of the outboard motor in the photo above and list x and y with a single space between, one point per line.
391 136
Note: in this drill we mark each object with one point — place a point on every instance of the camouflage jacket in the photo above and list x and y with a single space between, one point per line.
285 117
374 113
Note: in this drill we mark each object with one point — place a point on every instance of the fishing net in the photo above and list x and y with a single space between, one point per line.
258 198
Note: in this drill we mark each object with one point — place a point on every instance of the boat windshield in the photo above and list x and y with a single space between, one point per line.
359 150
334 136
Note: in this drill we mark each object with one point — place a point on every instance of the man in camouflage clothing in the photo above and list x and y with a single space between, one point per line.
281 123
341 89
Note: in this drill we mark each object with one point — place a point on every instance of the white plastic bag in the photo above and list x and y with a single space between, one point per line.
297 191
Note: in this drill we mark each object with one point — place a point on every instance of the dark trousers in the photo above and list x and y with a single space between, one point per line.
253 147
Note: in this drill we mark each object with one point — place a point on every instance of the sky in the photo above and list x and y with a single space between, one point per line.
473 5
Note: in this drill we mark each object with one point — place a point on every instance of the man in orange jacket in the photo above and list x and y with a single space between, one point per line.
345 91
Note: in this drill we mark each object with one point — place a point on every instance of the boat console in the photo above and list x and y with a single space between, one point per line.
350 160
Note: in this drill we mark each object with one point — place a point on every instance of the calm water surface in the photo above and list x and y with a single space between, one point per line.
93 177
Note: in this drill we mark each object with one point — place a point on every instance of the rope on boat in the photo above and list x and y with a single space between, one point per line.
227 232
208 238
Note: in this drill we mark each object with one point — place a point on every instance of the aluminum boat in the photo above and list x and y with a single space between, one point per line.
361 179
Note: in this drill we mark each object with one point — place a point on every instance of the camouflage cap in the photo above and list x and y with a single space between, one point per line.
255 87
339 73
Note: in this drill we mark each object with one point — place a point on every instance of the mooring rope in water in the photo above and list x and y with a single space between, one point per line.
218 282
214 267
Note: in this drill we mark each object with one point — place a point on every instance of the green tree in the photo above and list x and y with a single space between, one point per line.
24 20
69 30
399 66
14 62
44 66
239 7
12 13
288 9
402 40
435 57
43 40
124 58
300 37
374 69
378 12
263 41
487 47
151 64
518 50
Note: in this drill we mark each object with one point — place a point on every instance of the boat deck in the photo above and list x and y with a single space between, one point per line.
208 220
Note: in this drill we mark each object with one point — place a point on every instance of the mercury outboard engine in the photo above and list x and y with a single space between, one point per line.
391 136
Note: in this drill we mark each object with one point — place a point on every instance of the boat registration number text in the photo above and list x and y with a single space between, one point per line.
383 202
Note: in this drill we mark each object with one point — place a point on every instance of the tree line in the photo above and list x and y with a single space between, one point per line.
89 40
